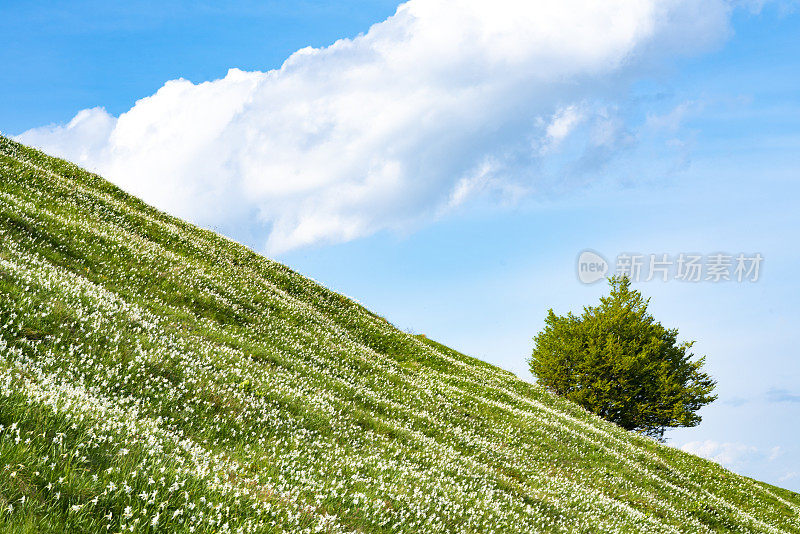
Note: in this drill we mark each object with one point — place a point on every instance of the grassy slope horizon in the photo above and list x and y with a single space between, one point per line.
157 377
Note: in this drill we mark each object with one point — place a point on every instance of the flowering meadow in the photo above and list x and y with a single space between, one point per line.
157 377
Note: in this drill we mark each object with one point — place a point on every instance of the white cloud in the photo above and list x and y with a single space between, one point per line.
81 139
440 102
673 120
732 455
562 124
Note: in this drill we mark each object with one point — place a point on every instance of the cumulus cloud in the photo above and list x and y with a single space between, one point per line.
439 103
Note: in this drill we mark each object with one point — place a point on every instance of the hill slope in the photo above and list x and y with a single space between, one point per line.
156 377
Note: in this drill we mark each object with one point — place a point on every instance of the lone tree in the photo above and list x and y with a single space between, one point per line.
616 361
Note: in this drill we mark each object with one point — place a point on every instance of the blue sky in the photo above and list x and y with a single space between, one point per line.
652 147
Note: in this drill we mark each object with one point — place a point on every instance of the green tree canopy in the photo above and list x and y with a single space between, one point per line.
618 362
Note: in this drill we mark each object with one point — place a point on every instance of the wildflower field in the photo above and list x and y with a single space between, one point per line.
156 377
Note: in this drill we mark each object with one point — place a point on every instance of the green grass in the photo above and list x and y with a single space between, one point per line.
156 377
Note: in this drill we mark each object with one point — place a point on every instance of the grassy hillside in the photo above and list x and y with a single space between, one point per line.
156 377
